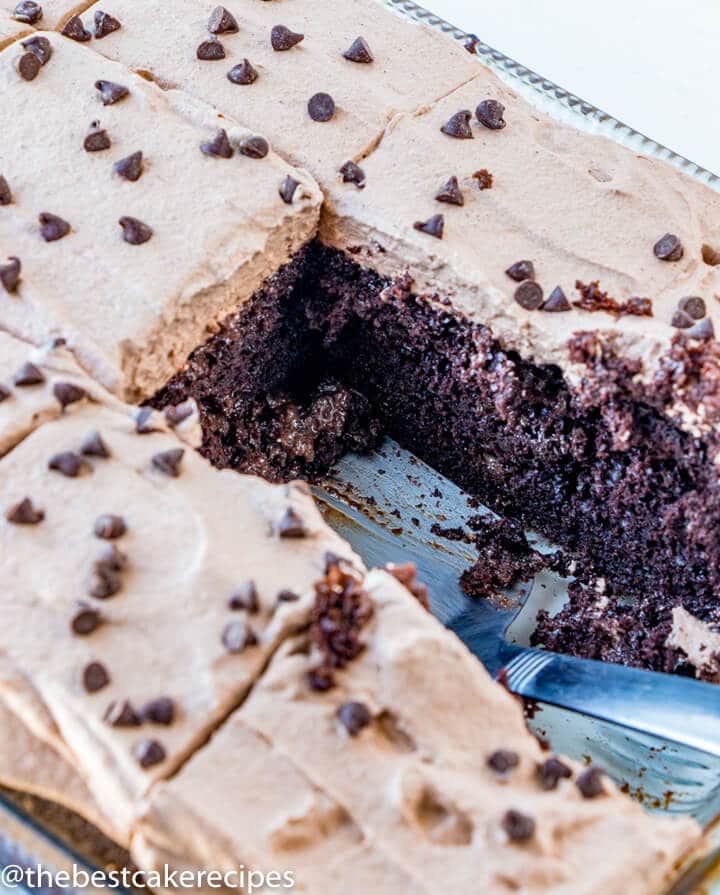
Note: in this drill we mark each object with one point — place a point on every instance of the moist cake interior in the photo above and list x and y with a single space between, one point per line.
329 355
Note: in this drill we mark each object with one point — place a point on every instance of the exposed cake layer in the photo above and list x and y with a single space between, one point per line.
134 236
441 782
275 57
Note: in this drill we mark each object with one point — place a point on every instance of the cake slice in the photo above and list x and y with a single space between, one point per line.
415 749
136 231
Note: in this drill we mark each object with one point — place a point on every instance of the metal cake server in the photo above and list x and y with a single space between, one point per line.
385 504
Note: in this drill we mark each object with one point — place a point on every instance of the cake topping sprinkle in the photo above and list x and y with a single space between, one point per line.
490 114
359 51
210 50
503 760
237 636
10 274
693 306
352 173
85 620
484 179
28 66
111 93
68 463
135 232
254 147
168 462
518 826
25 513
222 21
450 192
433 226
557 301
97 139
52 227
75 30
521 270
458 126
354 717
219 146
291 525
243 73
551 772
245 598
529 295
29 375
668 248
159 711
321 107
282 38
28 12
105 24
121 714
68 393
131 167
108 526
40 46
95 676
94 446
590 782
287 189
5 192
149 753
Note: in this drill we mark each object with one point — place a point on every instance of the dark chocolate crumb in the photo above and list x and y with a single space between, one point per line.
96 140
10 274
551 772
219 146
243 73
450 192
433 226
693 306
68 463
122 714
521 270
557 301
245 598
28 66
490 114
359 51
406 574
484 179
321 107
291 525
95 676
159 711
354 717
590 782
458 126
25 513
472 43
222 21
529 295
28 12
5 192
131 167
105 24
108 526
85 620
52 227
287 189
93 445
352 173
254 147
75 30
518 826
283 38
135 232
211 50
168 462
149 753
287 596
592 298
40 46
668 248
237 636
503 760
29 375
111 93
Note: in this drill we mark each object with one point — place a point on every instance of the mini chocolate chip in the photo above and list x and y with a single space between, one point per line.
28 66
111 93
109 527
433 226
556 301
40 46
96 140
490 114
168 462
245 597
95 676
243 73
175 414
354 717
237 636
287 596
149 753
5 192
105 581
131 167
121 714
693 306
24 513
254 147
590 782
521 270
67 393
321 679
219 146
551 772
484 179
222 21
518 826
159 711
668 248
27 12
113 559
458 126
85 620
681 320
10 274
359 51
321 107
450 192
68 463
52 227
94 446
704 330
145 421
211 50
291 525
105 24
503 760
135 232
529 295
283 38
5 393
29 375
352 173
287 189
75 30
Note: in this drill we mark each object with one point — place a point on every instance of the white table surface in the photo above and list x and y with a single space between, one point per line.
654 64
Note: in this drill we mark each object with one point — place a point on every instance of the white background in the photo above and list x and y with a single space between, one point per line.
654 64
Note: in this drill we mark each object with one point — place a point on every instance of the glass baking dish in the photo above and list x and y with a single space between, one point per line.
663 777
